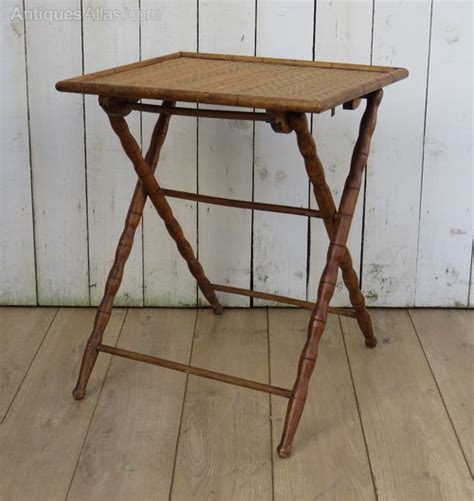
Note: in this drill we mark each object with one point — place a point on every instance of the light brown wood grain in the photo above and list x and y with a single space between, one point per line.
411 443
43 433
447 337
224 445
21 332
130 448
329 457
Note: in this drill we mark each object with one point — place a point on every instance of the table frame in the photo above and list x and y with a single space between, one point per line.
337 222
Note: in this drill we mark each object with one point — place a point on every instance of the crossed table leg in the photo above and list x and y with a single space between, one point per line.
145 168
337 223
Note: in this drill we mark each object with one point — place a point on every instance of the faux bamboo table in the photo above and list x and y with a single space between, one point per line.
285 90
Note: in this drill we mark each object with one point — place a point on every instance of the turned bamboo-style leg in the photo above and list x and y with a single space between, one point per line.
339 232
326 205
153 190
122 253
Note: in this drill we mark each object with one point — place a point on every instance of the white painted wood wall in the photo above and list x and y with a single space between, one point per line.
65 183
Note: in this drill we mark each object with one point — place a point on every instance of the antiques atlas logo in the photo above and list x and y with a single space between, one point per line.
88 13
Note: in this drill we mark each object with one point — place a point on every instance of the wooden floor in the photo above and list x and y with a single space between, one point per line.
393 423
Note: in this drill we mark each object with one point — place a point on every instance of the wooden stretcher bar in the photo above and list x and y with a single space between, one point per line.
241 204
281 299
195 371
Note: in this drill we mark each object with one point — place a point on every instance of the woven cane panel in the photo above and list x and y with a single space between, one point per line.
301 87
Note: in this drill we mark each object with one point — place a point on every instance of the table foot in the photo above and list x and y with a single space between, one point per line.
371 343
217 309
294 411
88 361
78 393
284 451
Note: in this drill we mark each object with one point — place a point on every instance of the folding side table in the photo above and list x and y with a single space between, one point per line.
285 90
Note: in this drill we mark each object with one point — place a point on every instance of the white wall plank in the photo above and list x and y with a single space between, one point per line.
17 260
343 33
110 175
280 241
471 285
445 243
57 150
225 157
168 281
417 242
401 38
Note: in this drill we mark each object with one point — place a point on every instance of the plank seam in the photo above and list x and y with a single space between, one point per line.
362 237
197 203
48 328
440 393
252 216
270 405
470 290
197 158
341 328
252 212
86 172
140 56
364 198
309 220
372 34
191 348
95 408
420 205
30 156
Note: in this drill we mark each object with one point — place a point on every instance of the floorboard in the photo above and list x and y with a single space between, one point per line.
43 433
447 337
387 424
413 449
130 448
22 331
224 446
329 459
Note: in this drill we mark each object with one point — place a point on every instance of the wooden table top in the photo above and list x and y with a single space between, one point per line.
251 82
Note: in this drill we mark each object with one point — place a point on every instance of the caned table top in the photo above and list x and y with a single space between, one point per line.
251 82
